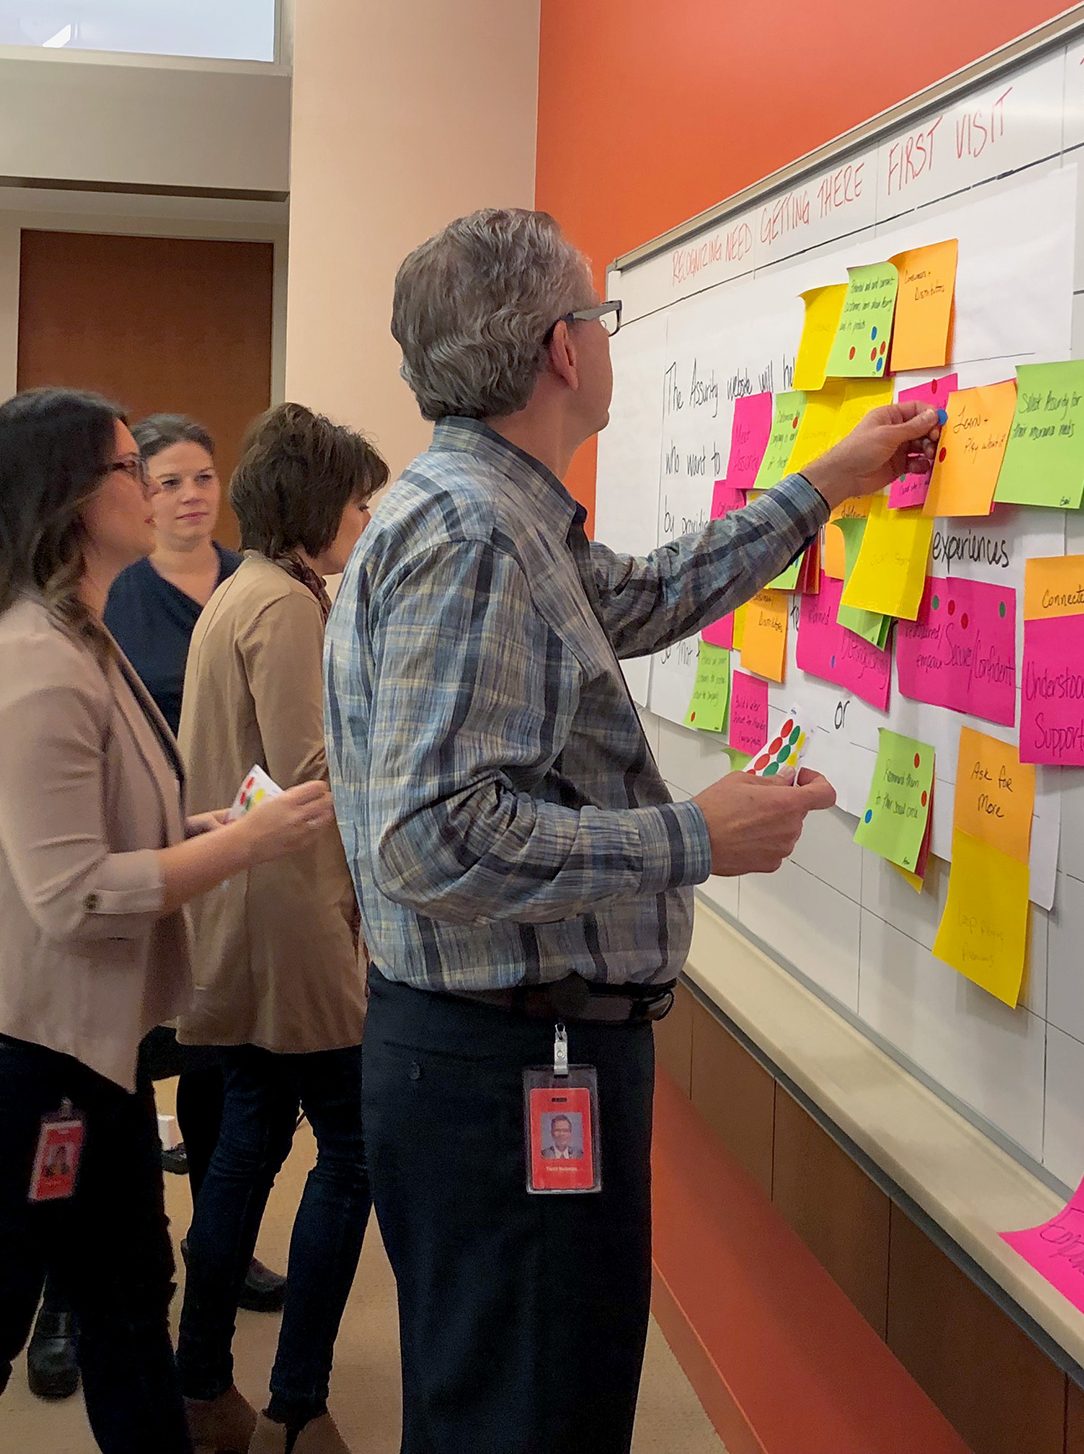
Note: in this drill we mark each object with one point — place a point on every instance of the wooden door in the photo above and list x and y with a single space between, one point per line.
178 325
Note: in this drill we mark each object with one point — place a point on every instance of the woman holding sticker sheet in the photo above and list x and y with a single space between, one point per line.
279 981
97 859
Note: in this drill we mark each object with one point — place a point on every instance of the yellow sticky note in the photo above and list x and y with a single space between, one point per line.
822 309
739 627
995 793
1053 586
971 449
908 877
817 431
764 639
889 574
984 930
920 332
859 397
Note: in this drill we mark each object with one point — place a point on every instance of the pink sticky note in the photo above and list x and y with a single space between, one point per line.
724 498
1056 1248
1052 700
911 489
749 437
748 712
961 650
830 651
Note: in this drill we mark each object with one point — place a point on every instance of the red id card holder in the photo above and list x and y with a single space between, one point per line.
560 1112
56 1161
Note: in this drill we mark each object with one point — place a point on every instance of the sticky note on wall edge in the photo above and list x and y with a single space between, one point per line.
984 930
764 634
860 347
822 309
1044 458
889 572
927 286
971 450
711 691
896 817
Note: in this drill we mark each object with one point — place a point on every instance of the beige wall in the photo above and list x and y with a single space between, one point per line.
405 116
144 121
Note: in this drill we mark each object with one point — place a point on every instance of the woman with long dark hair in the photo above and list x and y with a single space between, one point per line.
97 858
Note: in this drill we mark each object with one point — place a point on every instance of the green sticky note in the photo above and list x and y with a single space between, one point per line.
739 761
786 418
870 625
898 807
860 347
711 694
788 579
1044 456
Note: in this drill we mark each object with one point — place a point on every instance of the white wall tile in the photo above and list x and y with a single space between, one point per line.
808 923
1065 1004
1063 1151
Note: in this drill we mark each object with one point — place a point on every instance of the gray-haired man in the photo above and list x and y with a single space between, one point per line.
519 862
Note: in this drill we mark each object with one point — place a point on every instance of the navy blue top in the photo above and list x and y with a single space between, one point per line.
153 622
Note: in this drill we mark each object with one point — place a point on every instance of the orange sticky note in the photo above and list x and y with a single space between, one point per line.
764 638
835 554
995 793
971 450
1053 586
920 335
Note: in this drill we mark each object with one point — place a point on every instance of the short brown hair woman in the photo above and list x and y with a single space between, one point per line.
97 858
280 985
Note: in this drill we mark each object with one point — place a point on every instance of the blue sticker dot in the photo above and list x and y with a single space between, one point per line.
880 364
873 333
869 815
833 661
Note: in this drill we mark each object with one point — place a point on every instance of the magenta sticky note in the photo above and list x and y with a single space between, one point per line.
724 499
1052 699
911 489
1056 1248
748 712
960 652
828 650
749 437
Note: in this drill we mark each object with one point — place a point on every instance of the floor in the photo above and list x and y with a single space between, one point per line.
365 1389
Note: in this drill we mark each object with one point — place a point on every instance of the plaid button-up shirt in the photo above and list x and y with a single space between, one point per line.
501 810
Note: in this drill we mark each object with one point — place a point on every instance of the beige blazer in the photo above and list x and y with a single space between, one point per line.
275 957
88 963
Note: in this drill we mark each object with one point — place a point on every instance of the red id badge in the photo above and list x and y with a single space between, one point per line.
56 1161
561 1125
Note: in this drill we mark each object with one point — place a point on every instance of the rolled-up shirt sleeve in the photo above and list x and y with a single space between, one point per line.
653 601
52 821
474 701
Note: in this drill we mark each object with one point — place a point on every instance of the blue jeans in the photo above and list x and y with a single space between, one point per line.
263 1091
106 1249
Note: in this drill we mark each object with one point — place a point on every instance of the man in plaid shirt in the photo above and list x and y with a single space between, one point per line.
518 859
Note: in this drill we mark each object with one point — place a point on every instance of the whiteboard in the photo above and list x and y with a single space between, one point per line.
992 162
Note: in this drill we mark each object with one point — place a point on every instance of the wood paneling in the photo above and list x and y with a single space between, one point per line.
839 1213
156 323
987 1377
674 1040
1074 1419
734 1094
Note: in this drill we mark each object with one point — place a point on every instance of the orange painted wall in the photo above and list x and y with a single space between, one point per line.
650 111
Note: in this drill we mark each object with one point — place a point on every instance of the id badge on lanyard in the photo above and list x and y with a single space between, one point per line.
56 1161
561 1124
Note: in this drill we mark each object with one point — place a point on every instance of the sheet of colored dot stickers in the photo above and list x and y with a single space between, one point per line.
256 789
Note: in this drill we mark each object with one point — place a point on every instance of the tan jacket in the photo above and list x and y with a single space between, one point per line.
88 964
275 959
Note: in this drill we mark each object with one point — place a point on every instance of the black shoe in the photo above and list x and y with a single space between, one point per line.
175 1160
263 1291
51 1367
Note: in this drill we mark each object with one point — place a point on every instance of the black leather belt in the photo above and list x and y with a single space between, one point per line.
575 998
